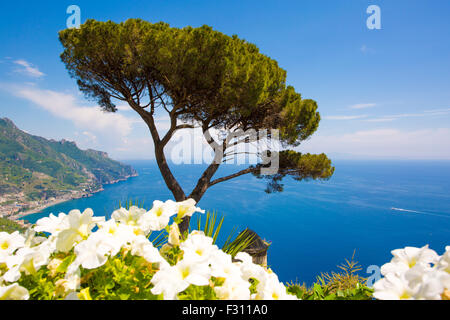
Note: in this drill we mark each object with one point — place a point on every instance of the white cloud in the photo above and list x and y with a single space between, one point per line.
384 143
380 120
363 105
388 118
344 117
65 106
122 135
90 136
124 108
28 69
426 113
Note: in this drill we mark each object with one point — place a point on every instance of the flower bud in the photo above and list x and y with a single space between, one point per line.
174 235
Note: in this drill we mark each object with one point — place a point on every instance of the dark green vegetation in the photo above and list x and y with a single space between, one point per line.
203 79
7 225
42 168
346 284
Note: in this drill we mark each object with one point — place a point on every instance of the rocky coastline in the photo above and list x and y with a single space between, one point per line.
17 216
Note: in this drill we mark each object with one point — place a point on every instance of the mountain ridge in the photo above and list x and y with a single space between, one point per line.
35 171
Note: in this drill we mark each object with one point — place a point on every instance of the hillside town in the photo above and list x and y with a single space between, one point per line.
14 206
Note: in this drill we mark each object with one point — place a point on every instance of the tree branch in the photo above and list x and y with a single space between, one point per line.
231 176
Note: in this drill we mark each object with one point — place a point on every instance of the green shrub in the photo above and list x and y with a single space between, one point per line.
7 225
346 284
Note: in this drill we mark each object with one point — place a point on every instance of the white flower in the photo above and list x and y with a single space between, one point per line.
93 252
159 216
187 208
119 234
135 217
249 269
30 238
52 224
407 258
129 217
223 267
198 247
10 243
142 247
393 287
233 289
13 264
444 261
244 257
68 285
34 258
271 288
79 228
174 235
14 292
28 260
416 274
171 280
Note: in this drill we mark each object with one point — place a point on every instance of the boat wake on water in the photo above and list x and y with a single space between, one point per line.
420 212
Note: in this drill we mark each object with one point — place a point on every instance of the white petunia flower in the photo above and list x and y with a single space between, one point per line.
34 260
27 260
10 242
171 280
393 287
79 227
52 224
187 208
13 264
407 258
135 217
444 261
30 238
129 217
198 247
159 215
233 289
119 234
93 252
249 269
270 288
142 247
428 283
223 267
13 292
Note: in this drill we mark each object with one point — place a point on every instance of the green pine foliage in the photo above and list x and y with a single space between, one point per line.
201 77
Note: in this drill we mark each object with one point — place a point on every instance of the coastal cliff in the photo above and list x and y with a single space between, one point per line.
36 172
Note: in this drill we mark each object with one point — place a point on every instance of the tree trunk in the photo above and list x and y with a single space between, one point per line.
167 175
184 225
173 186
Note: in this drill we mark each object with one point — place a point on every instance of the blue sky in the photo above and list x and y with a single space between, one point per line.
381 93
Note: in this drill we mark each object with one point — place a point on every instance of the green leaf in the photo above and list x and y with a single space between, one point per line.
65 263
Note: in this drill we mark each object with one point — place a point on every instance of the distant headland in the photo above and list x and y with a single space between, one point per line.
36 173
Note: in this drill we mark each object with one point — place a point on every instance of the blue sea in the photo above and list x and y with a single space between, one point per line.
367 207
